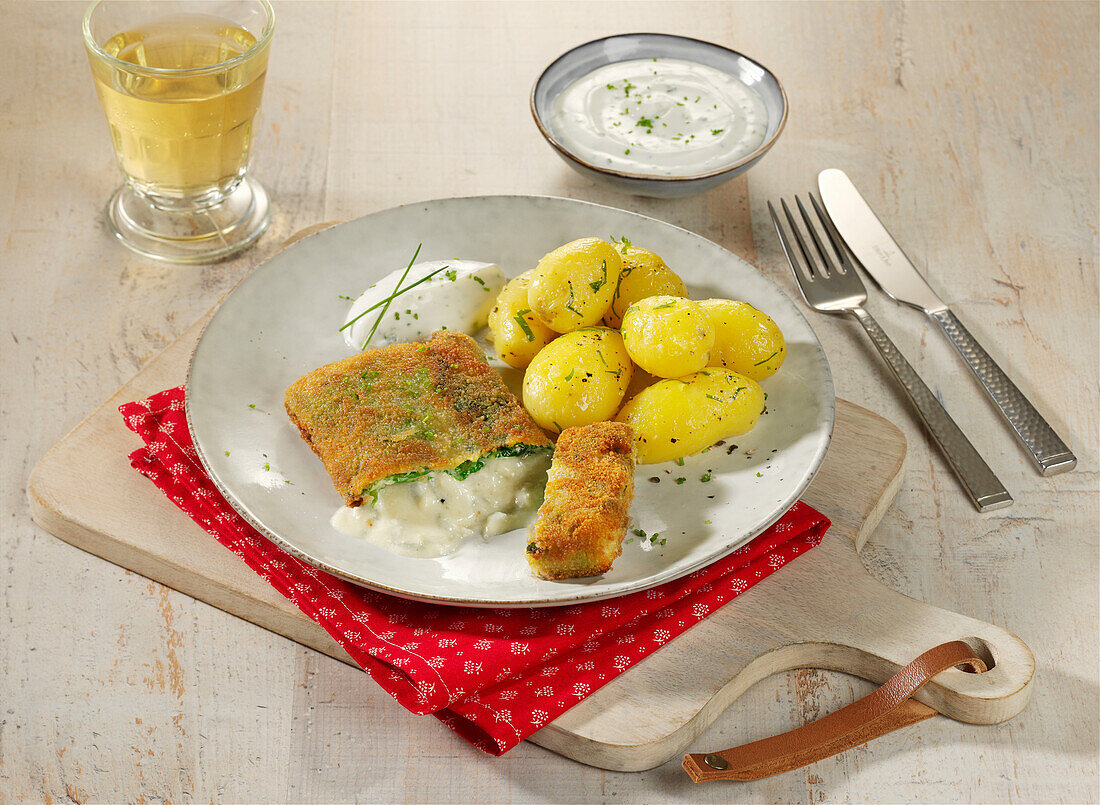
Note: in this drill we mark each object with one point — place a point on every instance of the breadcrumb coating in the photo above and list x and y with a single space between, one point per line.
407 408
580 527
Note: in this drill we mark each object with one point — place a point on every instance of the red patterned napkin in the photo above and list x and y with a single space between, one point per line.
494 676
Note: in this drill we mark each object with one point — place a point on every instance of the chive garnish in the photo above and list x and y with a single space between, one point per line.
396 293
595 286
523 325
569 304
767 358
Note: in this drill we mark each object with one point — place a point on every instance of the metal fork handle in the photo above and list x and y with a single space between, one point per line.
984 488
1049 452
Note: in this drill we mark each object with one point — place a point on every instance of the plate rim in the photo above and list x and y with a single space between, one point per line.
583 594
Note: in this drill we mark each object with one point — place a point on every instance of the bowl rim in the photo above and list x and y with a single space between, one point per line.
760 150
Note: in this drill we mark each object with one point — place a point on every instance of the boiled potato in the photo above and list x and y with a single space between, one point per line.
676 418
573 285
518 334
644 274
746 340
577 379
668 336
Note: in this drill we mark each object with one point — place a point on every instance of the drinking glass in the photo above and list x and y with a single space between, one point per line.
180 84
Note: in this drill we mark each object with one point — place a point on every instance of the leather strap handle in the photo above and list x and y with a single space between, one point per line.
887 709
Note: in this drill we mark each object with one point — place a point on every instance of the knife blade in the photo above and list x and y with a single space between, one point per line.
866 237
872 245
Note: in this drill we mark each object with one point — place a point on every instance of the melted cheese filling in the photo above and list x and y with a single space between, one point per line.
434 515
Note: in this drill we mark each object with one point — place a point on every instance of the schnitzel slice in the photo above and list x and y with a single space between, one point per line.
397 413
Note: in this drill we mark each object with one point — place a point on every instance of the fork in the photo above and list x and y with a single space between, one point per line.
835 287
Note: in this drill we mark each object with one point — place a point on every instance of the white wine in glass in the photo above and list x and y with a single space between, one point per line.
180 85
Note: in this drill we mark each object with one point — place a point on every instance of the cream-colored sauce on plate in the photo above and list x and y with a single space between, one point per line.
434 515
664 117
432 295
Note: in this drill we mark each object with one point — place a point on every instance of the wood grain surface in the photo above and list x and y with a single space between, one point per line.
972 130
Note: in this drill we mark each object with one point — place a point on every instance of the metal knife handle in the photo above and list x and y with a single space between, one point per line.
984 488
1049 452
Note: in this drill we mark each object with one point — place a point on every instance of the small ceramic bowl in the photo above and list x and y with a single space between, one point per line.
585 58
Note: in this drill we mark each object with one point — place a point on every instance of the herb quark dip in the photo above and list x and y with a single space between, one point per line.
663 117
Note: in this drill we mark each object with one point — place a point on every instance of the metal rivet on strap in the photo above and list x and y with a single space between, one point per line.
716 762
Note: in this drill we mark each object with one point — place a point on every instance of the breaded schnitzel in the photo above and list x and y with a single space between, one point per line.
581 524
396 413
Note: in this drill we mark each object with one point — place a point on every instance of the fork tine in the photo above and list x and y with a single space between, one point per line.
788 250
821 250
811 267
834 236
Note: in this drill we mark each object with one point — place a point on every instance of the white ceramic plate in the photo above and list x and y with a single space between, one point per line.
282 322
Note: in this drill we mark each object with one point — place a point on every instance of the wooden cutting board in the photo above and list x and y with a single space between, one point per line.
824 610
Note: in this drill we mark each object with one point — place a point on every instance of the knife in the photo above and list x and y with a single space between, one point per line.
892 271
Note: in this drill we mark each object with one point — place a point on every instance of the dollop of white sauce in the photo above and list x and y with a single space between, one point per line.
665 117
443 294
434 515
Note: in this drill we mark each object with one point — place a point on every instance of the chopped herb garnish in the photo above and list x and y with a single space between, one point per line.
252 405
759 475
766 360
227 452
481 282
680 461
385 303
451 275
602 281
716 132
569 304
645 123
267 466
638 533
523 325
570 375
712 397
680 480
705 477
666 304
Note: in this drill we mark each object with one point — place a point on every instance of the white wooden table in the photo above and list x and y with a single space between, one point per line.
971 128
